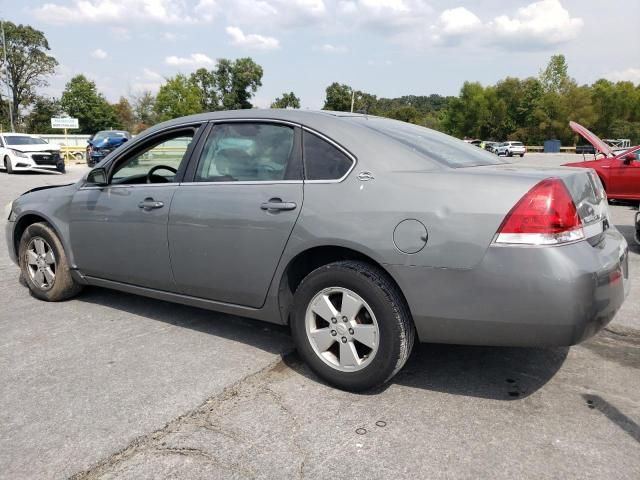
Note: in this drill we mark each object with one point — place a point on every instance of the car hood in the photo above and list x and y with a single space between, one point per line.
45 147
592 138
46 187
109 142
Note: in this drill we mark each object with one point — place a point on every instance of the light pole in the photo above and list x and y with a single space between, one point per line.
6 73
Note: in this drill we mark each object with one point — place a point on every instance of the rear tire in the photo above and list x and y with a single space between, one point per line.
382 320
44 264
7 164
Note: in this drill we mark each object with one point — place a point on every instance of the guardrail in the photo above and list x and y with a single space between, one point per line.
540 149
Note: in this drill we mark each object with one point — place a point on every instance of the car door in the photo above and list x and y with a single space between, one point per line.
229 225
625 176
119 231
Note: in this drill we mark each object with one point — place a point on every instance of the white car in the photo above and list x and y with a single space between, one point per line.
510 149
21 152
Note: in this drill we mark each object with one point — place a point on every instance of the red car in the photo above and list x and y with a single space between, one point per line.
620 174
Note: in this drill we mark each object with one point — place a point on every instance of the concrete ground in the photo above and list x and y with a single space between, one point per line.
109 385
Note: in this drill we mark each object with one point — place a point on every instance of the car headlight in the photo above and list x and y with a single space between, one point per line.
18 153
9 213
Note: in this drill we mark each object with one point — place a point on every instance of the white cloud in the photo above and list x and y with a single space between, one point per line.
150 80
275 13
385 15
539 24
630 74
115 11
252 40
330 48
99 54
207 10
193 60
454 24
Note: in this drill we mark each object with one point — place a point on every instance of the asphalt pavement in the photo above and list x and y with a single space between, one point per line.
110 385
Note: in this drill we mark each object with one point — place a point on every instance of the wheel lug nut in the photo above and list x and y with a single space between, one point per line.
344 339
345 319
334 320
334 333
351 331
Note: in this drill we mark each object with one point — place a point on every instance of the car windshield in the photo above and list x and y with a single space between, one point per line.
23 140
438 146
108 134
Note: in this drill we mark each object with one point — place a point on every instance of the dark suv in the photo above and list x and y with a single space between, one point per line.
103 143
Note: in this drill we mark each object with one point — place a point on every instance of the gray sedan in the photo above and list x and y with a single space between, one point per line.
361 233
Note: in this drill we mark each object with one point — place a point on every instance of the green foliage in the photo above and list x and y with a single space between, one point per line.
144 111
28 63
178 97
124 112
39 118
82 100
287 100
237 81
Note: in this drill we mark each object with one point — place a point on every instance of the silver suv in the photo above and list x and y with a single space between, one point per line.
510 149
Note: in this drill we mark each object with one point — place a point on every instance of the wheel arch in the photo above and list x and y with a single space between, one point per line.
308 260
27 219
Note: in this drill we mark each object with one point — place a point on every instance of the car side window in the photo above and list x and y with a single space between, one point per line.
164 157
249 152
322 160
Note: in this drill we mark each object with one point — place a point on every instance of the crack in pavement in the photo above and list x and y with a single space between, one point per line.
154 442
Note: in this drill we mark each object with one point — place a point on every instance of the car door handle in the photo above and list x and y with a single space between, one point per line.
277 204
150 204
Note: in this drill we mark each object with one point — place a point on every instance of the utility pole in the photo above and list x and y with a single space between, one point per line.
6 73
353 97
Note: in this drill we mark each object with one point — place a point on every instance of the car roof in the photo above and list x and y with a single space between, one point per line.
344 128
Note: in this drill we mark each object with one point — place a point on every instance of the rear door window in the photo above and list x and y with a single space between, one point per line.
322 160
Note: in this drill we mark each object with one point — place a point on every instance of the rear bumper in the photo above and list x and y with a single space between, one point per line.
521 296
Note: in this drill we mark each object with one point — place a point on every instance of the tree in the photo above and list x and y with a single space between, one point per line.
554 77
205 80
28 63
82 100
237 81
125 115
338 98
287 100
144 111
39 118
468 114
177 98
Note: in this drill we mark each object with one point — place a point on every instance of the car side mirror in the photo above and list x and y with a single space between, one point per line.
98 177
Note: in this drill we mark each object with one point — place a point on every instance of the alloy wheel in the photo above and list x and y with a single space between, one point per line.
342 329
41 263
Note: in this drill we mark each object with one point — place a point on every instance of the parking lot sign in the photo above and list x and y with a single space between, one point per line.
64 122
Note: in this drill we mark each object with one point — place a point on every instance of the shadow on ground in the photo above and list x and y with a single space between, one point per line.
487 372
262 335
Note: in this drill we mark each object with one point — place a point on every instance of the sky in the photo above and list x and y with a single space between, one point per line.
385 47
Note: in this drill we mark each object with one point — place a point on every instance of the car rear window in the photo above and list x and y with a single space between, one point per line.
516 144
434 145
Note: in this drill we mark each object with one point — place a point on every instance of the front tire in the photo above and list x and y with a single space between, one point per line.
352 325
7 164
44 264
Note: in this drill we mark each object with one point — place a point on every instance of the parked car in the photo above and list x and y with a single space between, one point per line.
510 149
21 152
490 146
619 173
299 218
103 143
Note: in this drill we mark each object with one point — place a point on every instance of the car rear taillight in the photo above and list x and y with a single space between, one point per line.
546 215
